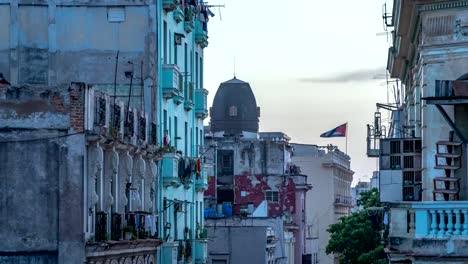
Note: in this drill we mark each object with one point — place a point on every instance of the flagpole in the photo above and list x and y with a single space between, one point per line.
346 148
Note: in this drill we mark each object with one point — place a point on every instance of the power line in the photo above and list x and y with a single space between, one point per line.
40 139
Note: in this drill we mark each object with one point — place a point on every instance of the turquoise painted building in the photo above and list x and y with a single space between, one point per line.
182 107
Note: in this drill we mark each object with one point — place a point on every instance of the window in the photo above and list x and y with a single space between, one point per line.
201 137
201 72
233 111
175 52
165 120
186 138
394 147
227 161
176 135
272 196
408 146
196 70
165 42
196 141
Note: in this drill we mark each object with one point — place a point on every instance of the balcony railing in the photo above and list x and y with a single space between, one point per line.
114 120
127 226
200 250
201 181
441 219
101 226
170 5
343 200
170 169
143 224
178 15
201 34
170 80
116 226
201 109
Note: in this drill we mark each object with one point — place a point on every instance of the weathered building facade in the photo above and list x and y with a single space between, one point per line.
183 107
251 172
80 187
85 95
268 243
329 170
427 205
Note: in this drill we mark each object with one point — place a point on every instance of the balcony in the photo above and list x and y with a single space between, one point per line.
136 240
201 182
170 80
201 109
178 15
200 250
429 228
111 120
178 99
201 35
170 170
169 252
126 226
188 26
343 200
170 5
188 105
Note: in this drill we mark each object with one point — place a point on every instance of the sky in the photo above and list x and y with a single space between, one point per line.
312 66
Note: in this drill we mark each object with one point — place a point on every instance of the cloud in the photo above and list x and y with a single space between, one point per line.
352 76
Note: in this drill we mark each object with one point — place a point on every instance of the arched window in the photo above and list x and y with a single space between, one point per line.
233 111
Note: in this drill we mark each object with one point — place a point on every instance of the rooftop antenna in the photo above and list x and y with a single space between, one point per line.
387 21
234 67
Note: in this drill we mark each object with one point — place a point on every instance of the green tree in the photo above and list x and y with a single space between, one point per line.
369 198
356 238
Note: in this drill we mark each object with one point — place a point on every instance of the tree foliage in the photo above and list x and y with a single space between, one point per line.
356 238
369 198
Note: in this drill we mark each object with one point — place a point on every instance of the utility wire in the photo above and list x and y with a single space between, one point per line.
40 139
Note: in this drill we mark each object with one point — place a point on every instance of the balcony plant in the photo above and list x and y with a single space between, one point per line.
167 149
129 233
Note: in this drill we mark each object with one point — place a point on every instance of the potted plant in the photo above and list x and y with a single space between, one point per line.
203 233
128 232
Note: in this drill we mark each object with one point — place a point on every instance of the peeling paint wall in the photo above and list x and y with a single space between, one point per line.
41 174
55 43
254 188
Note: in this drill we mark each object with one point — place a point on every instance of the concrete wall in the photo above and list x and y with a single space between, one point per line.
42 188
443 57
320 208
233 240
227 240
60 42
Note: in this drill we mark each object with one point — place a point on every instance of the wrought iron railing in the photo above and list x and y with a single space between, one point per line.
101 226
116 226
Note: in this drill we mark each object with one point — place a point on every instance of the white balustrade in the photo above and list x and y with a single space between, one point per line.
440 218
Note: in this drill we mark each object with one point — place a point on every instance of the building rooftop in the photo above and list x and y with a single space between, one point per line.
234 108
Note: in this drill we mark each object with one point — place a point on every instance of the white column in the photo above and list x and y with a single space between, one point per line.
449 221
433 222
442 222
457 222
99 160
124 178
114 180
151 192
138 184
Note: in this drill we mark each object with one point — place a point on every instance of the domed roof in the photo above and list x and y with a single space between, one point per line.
234 108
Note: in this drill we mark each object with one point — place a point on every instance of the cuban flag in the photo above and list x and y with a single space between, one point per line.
339 131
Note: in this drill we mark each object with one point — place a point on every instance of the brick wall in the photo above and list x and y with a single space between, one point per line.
77 106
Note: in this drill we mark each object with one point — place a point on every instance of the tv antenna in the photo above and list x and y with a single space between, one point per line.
386 17
234 67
